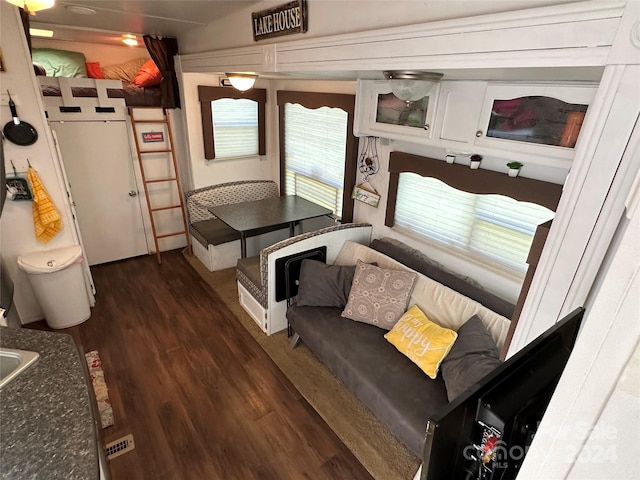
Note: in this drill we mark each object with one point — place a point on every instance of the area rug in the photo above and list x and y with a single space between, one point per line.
100 388
377 449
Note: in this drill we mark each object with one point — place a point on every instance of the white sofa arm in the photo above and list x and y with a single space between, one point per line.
260 301
332 237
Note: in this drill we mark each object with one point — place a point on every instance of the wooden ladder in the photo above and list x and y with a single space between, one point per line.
174 178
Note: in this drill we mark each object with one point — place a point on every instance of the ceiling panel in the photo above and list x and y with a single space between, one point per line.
154 17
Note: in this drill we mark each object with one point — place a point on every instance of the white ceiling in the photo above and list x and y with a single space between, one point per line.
112 18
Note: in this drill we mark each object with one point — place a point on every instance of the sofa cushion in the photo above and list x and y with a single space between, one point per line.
473 355
419 262
422 341
378 296
391 385
322 285
441 304
213 232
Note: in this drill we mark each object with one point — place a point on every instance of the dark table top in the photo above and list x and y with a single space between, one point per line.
257 214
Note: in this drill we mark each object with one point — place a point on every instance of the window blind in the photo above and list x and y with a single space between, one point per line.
315 149
492 228
235 127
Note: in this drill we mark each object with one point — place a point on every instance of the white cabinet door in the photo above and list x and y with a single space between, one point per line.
542 119
379 113
98 162
459 108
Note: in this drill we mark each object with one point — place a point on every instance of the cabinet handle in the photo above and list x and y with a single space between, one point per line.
479 133
426 126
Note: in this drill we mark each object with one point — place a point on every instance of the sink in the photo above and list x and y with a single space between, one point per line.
14 362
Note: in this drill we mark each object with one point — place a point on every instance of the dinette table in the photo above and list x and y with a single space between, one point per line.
250 217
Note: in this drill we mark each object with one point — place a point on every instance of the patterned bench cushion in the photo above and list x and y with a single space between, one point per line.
225 194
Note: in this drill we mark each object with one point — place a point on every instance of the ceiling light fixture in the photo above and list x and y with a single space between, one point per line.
33 6
242 81
40 32
130 40
411 85
80 10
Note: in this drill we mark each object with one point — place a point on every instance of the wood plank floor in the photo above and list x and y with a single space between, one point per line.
200 396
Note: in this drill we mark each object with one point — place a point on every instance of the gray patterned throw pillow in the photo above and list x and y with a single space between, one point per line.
379 296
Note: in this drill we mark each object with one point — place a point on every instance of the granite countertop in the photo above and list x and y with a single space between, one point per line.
46 425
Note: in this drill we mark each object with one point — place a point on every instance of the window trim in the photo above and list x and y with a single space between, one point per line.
461 177
314 100
207 94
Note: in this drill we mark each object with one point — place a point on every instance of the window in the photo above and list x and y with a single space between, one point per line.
317 149
484 215
235 127
489 228
233 122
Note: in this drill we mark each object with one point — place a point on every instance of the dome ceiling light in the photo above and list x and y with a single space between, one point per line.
242 81
411 85
80 10
33 6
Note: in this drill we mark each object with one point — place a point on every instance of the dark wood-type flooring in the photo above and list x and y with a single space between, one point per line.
200 396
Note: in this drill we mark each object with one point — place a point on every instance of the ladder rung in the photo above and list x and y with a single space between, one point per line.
165 208
161 180
165 121
148 121
171 234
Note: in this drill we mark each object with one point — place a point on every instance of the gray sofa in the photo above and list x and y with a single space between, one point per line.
401 395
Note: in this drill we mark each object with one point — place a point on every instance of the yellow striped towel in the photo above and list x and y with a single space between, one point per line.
46 219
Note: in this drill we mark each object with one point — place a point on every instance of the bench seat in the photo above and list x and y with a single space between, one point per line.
215 232
216 244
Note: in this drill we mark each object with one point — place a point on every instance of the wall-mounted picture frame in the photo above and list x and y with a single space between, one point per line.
1 61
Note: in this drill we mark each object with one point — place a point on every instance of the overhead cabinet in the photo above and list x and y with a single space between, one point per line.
380 113
544 119
528 121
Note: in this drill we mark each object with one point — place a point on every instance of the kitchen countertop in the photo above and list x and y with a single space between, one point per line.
46 425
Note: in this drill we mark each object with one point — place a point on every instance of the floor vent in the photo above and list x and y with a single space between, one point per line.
120 446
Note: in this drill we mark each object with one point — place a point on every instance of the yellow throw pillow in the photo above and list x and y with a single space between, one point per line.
422 341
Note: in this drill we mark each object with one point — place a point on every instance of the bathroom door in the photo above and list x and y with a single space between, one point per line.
99 166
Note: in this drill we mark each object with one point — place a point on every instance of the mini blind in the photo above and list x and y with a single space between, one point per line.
491 228
235 127
315 149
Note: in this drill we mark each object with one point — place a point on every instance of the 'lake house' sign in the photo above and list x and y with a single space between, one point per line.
281 20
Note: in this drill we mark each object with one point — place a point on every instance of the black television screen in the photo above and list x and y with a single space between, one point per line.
484 433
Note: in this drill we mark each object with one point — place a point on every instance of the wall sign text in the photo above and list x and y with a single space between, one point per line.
285 19
152 137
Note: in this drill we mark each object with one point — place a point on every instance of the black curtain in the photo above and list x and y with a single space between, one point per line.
162 51
26 24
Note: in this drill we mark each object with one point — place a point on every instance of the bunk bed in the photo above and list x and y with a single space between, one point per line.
139 78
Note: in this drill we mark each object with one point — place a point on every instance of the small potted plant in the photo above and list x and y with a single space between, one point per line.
514 168
474 161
